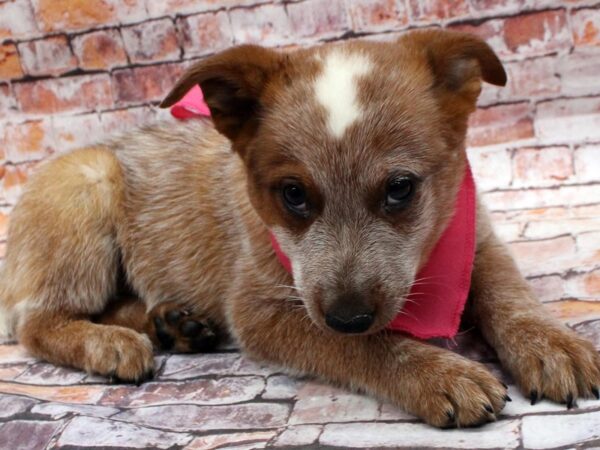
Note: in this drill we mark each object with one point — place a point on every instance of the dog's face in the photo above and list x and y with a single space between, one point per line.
354 155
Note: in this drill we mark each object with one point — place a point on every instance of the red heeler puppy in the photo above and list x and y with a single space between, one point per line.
351 155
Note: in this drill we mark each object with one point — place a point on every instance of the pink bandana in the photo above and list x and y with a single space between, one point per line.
442 285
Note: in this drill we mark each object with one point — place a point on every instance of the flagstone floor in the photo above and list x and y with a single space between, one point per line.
223 400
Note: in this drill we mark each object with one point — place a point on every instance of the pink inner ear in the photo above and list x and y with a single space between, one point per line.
191 105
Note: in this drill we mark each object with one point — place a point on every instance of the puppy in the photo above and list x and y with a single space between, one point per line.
351 156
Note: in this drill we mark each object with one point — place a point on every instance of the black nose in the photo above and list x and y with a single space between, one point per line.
356 324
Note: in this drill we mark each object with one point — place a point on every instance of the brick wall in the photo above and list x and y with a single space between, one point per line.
73 70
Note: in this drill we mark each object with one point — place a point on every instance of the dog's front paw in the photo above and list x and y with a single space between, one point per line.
549 361
176 329
455 392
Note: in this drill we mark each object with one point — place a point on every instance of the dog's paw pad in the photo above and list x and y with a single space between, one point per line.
182 331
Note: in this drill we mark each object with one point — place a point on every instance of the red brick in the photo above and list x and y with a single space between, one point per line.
267 25
100 50
125 119
537 33
529 253
71 132
151 41
60 15
494 7
184 7
17 20
434 10
82 93
13 179
542 166
377 15
319 18
10 64
568 120
491 167
145 84
204 34
490 31
532 78
541 198
28 141
50 56
7 101
586 27
501 123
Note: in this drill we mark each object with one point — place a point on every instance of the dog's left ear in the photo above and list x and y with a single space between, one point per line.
459 62
232 82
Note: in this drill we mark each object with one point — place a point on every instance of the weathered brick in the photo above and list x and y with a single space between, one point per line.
50 56
125 119
568 120
502 434
531 78
49 374
151 41
181 367
251 440
10 64
317 403
550 431
537 33
185 7
267 25
434 10
318 18
530 254
587 163
548 288
11 405
60 15
71 132
225 390
542 229
585 286
281 387
28 434
204 34
586 27
497 7
378 15
7 102
93 432
13 180
500 123
100 50
17 20
82 93
56 410
491 168
144 84
28 141
578 73
542 166
541 198
205 418
299 435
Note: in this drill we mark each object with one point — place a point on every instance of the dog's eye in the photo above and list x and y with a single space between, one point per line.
294 197
399 191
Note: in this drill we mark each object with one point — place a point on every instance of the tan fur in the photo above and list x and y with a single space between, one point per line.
186 221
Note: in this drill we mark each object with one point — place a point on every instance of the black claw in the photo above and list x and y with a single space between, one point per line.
505 386
571 402
203 344
173 317
507 398
190 328
489 409
596 392
451 418
534 396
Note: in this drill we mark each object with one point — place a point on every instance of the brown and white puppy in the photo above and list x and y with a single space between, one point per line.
351 154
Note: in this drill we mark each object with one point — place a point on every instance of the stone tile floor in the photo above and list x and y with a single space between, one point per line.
223 400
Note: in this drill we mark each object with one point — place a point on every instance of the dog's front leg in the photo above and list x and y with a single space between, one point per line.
441 387
546 358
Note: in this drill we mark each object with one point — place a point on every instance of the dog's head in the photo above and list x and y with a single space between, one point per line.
354 154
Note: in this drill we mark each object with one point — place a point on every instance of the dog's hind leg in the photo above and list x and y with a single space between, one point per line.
61 267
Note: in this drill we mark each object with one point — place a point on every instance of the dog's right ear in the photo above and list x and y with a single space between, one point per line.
232 83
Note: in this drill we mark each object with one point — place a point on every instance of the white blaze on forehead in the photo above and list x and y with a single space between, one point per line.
336 88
